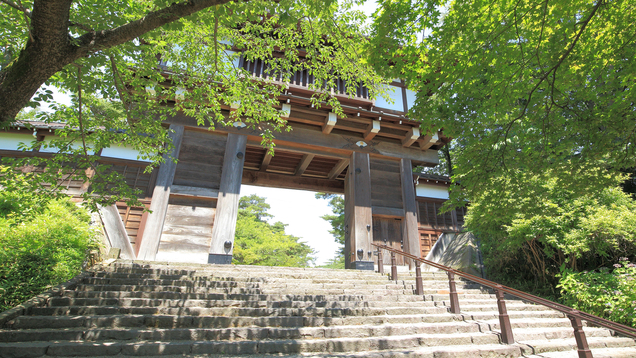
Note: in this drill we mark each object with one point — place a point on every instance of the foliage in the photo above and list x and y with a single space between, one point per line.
529 239
258 242
445 156
198 77
43 243
336 203
254 205
16 202
606 293
527 86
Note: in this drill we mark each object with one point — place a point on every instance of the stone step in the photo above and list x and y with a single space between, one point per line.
170 321
550 333
245 277
288 346
510 306
268 284
235 334
149 302
267 311
468 351
494 315
190 310
234 311
619 352
64 348
534 347
304 290
258 333
251 271
271 297
342 275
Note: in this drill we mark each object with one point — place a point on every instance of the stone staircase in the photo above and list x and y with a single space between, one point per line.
170 309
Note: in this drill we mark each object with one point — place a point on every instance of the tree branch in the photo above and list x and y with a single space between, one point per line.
81 26
95 41
16 6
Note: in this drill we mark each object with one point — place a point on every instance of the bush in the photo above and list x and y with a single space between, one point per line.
606 293
40 248
528 241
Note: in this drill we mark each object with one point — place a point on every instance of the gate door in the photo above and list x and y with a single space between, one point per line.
388 231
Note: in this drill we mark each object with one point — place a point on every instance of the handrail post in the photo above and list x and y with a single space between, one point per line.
419 287
504 319
454 299
380 262
579 335
393 267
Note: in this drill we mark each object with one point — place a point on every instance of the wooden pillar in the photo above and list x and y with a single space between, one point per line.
160 196
227 204
116 231
359 222
410 226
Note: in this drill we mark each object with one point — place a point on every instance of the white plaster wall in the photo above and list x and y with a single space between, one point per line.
431 191
10 141
410 98
395 93
122 152
233 56
48 139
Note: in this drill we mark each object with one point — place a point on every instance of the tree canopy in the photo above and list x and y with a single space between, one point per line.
141 61
526 87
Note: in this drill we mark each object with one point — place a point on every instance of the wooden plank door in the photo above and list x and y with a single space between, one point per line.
388 231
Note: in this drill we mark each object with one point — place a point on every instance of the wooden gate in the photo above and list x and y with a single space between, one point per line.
388 231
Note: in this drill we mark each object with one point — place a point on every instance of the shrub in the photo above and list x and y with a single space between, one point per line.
606 293
527 240
40 248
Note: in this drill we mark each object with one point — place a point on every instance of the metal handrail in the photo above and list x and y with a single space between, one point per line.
575 316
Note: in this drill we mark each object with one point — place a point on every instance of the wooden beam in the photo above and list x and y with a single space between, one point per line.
411 137
160 195
387 212
303 150
428 141
373 129
286 110
314 139
228 200
251 177
304 163
338 168
194 191
116 231
410 225
330 122
265 163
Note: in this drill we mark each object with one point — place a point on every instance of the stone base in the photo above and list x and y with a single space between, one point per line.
362 265
219 259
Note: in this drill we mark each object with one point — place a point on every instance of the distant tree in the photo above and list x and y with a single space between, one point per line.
258 242
336 202
254 205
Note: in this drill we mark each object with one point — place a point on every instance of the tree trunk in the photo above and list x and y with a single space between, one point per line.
52 47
